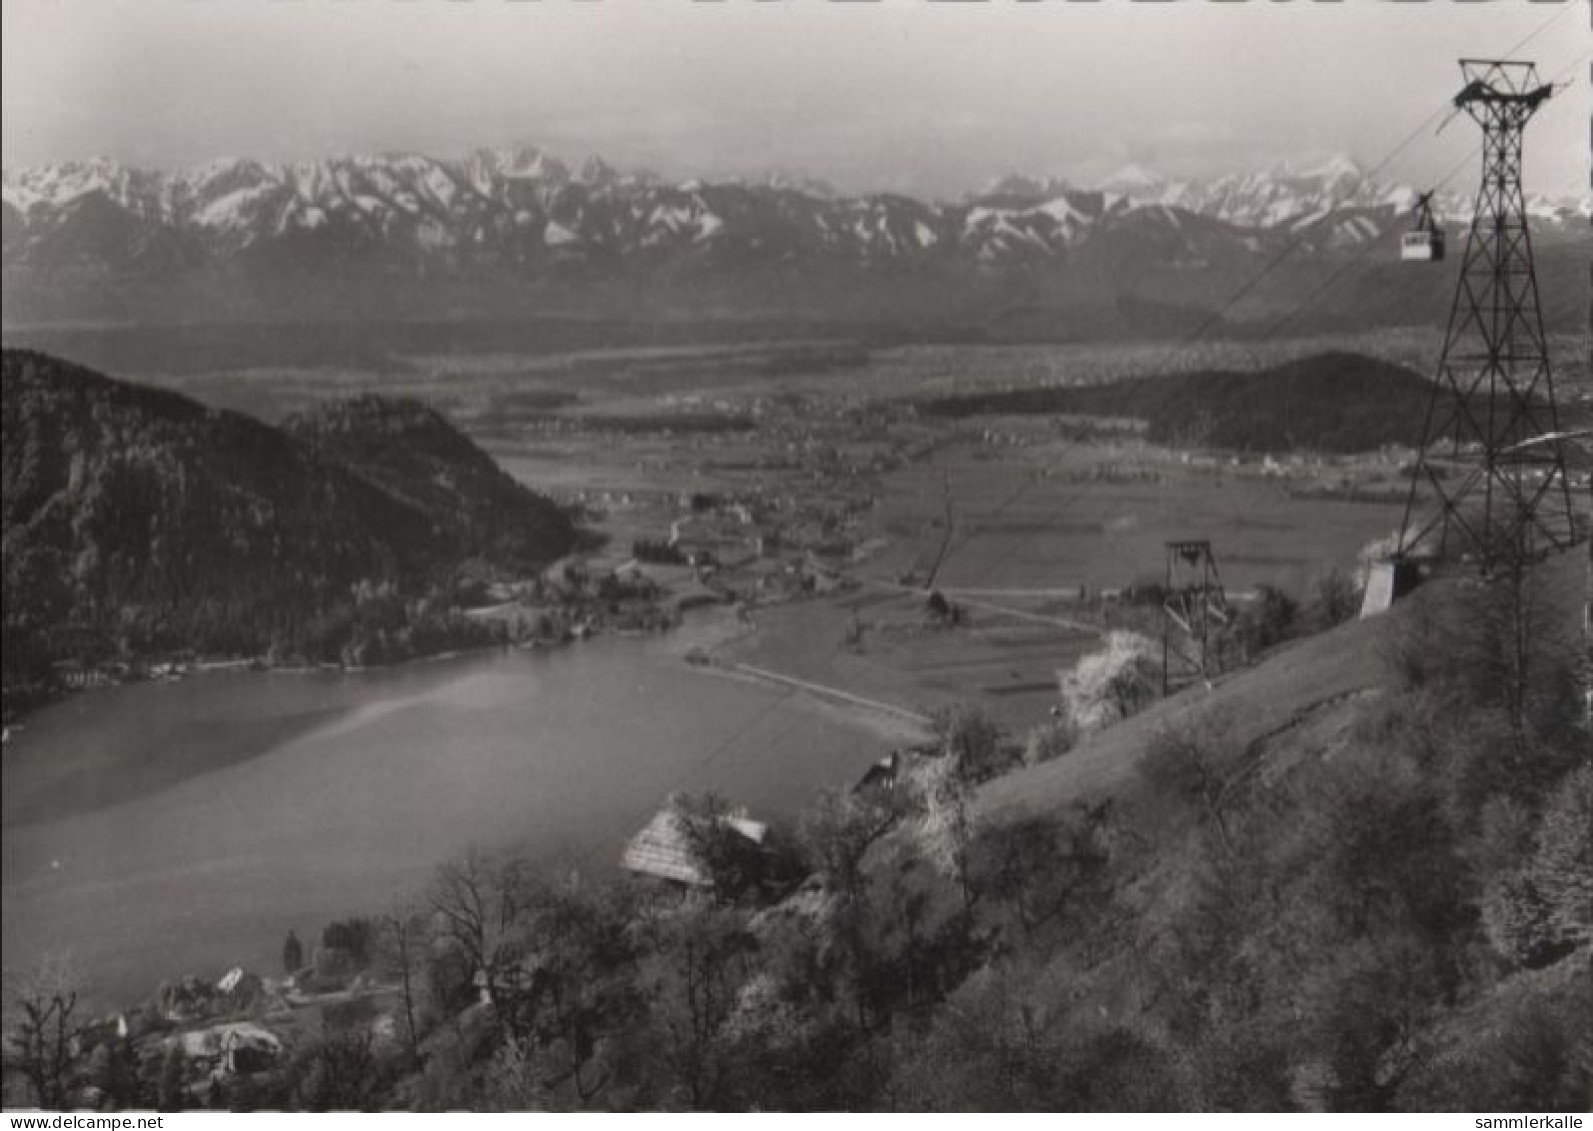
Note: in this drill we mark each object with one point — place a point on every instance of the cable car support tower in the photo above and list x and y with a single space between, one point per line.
1502 498
1194 609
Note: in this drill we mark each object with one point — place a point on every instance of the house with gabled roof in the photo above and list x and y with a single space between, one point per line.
662 849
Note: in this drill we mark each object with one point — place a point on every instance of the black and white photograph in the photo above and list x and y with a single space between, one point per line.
795 555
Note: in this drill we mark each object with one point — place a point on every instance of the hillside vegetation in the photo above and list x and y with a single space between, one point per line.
138 522
1356 877
1331 402
415 457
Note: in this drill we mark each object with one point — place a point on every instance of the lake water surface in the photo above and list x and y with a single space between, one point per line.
159 829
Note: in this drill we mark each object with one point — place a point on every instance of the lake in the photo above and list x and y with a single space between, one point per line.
159 829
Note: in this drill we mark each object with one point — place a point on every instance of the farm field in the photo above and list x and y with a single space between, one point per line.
882 643
1058 514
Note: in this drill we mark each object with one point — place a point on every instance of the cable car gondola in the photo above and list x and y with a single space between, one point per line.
1424 242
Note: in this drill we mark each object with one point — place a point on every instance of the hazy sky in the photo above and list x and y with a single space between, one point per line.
932 98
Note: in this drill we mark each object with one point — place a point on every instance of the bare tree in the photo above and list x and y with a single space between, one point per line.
699 959
584 992
41 1032
836 832
1526 650
405 939
480 904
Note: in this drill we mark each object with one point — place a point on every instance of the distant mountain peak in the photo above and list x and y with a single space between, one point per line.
1340 166
1017 186
596 171
1129 178
518 216
784 180
523 162
70 180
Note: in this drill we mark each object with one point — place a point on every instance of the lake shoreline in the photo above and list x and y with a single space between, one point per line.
142 670
269 803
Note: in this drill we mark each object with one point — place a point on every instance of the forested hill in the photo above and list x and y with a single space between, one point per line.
137 521
1328 402
412 454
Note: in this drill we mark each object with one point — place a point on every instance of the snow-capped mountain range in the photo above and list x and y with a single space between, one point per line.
1289 195
524 213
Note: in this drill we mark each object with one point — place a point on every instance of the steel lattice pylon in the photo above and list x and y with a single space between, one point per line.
1503 496
1193 609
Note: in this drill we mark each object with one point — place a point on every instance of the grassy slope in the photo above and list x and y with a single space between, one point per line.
1320 674
1296 704
1311 704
